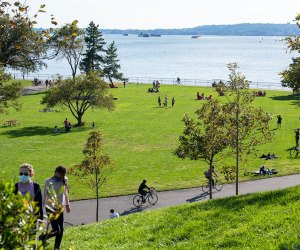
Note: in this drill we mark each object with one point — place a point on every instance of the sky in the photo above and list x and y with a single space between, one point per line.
150 14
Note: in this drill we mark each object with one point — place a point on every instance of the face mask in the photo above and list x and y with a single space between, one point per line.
24 178
56 179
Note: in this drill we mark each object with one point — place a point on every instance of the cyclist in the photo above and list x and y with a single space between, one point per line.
142 190
208 174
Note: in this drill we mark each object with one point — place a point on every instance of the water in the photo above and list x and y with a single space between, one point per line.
260 58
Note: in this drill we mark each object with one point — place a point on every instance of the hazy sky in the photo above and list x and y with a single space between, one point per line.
140 14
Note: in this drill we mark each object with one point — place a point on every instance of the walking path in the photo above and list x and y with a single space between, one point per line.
33 89
85 211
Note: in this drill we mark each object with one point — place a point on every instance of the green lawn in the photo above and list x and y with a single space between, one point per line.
258 221
138 135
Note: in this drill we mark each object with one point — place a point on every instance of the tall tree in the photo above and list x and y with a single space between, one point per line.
111 64
96 167
247 126
206 145
79 94
22 47
68 43
291 76
94 42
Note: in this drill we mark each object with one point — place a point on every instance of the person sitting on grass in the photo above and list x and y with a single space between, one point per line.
262 170
68 128
114 214
56 130
142 190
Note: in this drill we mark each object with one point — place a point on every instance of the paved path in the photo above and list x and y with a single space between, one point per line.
33 89
85 211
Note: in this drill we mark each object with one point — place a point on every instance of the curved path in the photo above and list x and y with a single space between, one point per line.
84 211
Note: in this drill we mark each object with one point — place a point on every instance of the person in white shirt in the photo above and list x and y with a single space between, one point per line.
114 214
59 183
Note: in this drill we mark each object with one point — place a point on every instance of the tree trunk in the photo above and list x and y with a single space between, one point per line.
97 197
79 120
210 180
237 154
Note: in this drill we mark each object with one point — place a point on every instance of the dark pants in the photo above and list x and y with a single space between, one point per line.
297 142
57 230
143 193
212 181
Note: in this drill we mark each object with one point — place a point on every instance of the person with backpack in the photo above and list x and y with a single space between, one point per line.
26 185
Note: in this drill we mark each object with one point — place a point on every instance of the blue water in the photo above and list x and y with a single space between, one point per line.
260 58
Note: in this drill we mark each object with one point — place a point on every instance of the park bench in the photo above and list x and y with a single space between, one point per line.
11 123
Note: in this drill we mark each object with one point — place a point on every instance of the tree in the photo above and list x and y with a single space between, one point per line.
291 76
68 43
94 43
111 64
9 93
22 47
205 145
247 126
96 167
79 94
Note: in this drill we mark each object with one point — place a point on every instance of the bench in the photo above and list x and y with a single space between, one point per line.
11 123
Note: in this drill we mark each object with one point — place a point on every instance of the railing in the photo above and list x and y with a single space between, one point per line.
149 80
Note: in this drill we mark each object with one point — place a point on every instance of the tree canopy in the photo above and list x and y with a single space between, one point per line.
291 76
111 64
79 94
94 42
68 43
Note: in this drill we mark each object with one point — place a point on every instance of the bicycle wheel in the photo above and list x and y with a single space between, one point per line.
137 200
293 153
152 199
218 185
205 187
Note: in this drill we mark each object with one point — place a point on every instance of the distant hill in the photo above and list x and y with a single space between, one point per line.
245 29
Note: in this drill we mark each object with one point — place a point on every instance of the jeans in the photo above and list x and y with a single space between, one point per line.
57 230
212 181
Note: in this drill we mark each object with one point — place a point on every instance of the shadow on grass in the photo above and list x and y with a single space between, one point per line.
40 131
294 98
198 198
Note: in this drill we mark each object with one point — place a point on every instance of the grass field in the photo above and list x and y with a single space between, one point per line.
258 221
138 135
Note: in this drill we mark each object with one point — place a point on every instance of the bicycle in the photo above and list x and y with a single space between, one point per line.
294 152
218 186
151 196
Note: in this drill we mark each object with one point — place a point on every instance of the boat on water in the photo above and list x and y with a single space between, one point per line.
125 34
143 35
155 35
195 36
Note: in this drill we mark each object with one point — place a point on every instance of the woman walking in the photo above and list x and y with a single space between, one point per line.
26 185
59 184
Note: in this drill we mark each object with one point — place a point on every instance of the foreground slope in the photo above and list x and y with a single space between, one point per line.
258 221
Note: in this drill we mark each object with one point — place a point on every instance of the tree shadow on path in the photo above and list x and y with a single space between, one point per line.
198 198
134 210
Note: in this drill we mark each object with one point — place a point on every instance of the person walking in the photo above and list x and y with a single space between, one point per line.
173 102
297 137
279 120
159 101
26 185
166 101
59 184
